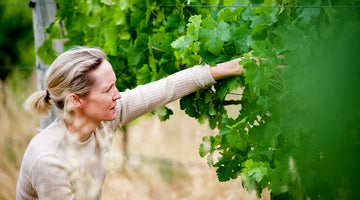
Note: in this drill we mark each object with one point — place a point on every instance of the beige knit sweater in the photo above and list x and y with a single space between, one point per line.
57 166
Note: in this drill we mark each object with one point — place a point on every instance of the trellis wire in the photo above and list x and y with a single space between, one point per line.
266 6
226 6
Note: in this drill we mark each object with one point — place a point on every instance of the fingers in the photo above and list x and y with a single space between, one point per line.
239 69
280 57
281 66
257 59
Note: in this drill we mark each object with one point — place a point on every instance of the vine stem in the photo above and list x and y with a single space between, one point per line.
158 49
243 120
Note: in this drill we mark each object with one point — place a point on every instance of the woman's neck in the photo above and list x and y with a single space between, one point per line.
81 129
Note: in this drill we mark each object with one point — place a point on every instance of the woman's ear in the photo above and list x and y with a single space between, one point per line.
75 100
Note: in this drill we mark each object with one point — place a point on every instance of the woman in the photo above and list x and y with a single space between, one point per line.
67 160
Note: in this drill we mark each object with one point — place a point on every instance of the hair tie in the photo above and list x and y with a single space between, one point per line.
47 98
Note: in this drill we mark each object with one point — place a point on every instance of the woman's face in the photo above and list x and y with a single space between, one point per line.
100 104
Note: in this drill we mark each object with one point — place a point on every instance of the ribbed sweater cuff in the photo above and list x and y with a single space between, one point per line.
204 76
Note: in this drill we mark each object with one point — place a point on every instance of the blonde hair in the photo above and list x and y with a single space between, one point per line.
69 73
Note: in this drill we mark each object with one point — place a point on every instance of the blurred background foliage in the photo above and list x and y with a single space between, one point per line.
16 39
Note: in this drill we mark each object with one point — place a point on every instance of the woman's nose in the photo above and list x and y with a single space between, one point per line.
116 95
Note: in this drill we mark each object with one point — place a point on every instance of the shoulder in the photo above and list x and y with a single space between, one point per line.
50 137
40 158
46 143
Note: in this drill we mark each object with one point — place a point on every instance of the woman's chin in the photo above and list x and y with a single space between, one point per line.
112 115
111 118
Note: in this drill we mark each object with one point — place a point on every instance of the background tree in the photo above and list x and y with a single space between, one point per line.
16 39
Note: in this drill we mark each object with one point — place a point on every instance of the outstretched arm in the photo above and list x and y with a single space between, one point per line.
226 69
146 98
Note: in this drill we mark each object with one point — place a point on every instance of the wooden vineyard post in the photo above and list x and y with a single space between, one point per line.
43 14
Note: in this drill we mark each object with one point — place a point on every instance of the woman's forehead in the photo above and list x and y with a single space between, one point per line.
104 74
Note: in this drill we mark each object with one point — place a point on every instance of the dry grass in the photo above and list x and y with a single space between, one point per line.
163 161
17 128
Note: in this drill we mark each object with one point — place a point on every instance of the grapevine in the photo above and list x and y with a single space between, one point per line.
273 142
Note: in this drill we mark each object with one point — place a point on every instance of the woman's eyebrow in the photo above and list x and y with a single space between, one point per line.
110 86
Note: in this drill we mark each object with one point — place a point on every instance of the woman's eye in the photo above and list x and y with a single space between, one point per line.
109 89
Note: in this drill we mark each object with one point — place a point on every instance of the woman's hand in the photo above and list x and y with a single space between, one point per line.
225 69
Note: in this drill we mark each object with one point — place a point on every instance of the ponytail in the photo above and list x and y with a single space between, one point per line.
38 102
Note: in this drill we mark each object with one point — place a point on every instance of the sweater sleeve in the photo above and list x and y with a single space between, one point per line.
50 178
146 98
